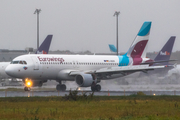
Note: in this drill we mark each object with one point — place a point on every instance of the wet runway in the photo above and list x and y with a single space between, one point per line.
102 93
108 90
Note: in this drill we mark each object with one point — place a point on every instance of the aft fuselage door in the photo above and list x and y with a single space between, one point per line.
35 62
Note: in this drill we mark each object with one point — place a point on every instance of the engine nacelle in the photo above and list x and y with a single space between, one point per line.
85 80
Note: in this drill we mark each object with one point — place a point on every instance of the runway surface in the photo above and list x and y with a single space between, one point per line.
108 90
102 93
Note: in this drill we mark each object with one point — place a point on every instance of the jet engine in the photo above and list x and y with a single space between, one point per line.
85 80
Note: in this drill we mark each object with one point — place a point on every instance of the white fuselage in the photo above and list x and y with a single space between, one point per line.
58 67
53 66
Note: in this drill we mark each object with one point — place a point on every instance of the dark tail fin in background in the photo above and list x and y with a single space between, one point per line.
165 52
44 48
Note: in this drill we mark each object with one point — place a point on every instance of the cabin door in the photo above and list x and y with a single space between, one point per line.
35 62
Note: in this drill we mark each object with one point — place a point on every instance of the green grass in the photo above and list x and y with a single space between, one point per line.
135 107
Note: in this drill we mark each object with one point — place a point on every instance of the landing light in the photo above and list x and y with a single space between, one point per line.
79 88
28 83
154 94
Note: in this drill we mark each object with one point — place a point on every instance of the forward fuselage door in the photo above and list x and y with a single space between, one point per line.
35 62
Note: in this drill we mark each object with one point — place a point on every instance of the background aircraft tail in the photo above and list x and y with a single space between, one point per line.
44 48
165 52
139 46
112 48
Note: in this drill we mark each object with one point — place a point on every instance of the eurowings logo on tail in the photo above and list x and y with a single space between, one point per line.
165 53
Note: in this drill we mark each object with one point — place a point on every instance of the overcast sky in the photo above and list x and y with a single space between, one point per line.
79 25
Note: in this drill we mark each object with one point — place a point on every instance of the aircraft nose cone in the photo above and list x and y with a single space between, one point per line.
9 71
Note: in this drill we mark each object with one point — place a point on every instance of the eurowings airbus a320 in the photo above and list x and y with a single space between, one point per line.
86 70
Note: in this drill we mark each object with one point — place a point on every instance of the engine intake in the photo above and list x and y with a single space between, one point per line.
85 80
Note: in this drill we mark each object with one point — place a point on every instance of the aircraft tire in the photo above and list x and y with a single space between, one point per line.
40 84
58 87
26 89
61 87
93 88
98 87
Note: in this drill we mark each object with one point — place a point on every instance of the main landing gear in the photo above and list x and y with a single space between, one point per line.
96 87
61 87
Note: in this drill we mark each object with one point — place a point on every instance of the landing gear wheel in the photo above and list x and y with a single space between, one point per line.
27 89
40 84
58 87
96 88
93 88
61 87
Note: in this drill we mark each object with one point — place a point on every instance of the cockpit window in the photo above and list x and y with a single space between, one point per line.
14 62
18 62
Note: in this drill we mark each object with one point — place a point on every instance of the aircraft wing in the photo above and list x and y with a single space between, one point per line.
123 69
134 68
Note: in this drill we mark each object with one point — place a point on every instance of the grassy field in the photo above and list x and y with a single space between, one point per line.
89 107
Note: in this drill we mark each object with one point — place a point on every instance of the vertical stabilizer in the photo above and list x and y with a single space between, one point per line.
44 48
112 48
165 52
139 46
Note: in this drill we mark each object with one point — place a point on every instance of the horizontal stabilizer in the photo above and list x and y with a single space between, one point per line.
161 61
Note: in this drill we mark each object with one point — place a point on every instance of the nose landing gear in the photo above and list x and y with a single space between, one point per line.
27 88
